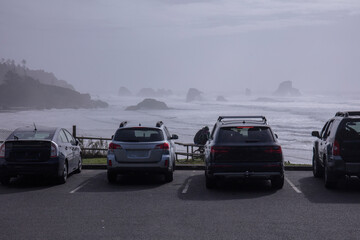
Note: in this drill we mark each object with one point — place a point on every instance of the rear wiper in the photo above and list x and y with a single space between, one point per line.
130 140
16 138
252 141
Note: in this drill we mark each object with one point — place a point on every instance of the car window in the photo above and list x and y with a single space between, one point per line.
63 137
213 132
139 135
32 135
68 135
167 133
350 130
323 129
328 129
245 134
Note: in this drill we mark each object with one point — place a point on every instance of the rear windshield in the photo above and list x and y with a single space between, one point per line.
350 130
139 135
31 135
245 135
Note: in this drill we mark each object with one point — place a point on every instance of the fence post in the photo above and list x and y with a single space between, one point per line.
74 131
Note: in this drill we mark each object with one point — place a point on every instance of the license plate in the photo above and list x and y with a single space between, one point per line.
138 154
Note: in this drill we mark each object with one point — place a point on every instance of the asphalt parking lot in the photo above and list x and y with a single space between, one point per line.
88 207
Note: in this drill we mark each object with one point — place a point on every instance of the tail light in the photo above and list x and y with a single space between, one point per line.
110 163
54 150
2 150
336 148
164 146
219 150
113 146
271 150
166 163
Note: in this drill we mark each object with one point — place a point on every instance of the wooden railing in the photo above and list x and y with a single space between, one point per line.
192 151
89 138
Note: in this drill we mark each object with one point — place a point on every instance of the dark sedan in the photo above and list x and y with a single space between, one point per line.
39 151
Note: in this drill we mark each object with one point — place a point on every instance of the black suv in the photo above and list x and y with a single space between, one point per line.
336 152
243 147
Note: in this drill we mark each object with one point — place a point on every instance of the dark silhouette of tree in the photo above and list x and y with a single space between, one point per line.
23 62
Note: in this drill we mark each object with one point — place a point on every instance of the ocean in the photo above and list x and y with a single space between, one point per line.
292 119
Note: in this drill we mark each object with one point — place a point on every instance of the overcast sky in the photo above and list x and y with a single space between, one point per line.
214 45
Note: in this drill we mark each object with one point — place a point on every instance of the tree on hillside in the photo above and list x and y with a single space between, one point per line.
23 62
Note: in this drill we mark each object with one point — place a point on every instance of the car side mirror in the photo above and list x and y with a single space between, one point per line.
74 142
276 136
315 134
174 136
112 137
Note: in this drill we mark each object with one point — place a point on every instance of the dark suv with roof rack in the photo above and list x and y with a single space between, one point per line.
336 152
243 147
141 149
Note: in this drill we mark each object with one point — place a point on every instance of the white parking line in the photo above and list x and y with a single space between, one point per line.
186 186
292 185
82 185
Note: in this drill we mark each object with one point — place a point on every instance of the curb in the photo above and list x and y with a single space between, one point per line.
198 167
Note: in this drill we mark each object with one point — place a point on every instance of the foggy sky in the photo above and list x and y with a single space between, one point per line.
100 45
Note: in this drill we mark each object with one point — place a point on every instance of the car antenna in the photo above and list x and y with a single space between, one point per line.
35 127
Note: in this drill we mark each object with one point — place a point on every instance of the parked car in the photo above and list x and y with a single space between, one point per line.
141 149
39 151
243 147
336 152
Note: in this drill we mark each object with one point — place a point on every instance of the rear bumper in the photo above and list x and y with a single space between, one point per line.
339 167
263 175
133 170
50 167
246 170
163 166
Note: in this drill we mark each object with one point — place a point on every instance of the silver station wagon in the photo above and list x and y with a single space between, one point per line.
141 149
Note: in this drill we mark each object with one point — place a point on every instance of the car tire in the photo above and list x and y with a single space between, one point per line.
210 182
318 170
330 180
277 182
79 169
169 176
111 177
5 180
63 177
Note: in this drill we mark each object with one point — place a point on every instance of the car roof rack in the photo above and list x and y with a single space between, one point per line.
123 124
159 123
347 114
243 119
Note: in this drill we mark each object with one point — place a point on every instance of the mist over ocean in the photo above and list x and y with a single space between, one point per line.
292 119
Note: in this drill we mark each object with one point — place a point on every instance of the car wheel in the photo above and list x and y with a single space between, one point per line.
111 177
169 176
5 180
318 170
277 182
210 182
64 175
78 170
330 180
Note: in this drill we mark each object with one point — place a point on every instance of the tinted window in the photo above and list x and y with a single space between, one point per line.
323 130
350 130
245 134
328 129
32 135
139 135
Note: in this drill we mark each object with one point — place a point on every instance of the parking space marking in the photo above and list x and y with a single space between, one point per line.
186 186
292 185
79 187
